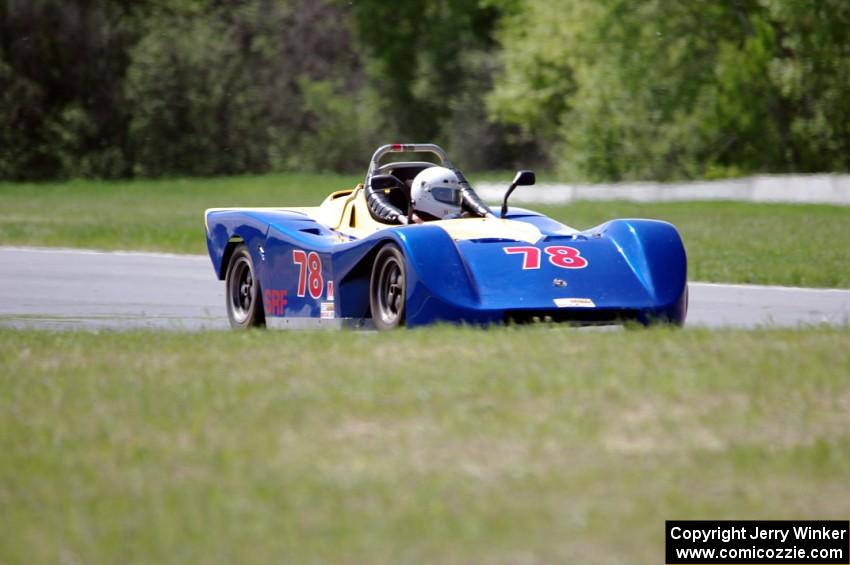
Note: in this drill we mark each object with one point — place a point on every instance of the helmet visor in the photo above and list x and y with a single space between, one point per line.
446 195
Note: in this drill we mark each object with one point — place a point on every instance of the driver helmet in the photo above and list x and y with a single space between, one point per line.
436 194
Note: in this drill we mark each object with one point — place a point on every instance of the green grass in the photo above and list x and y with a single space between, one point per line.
727 242
425 446
161 215
785 244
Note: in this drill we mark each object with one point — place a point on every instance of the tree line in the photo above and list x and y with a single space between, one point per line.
598 90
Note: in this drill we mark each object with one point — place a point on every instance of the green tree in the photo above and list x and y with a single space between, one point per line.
661 90
247 86
193 109
416 48
108 88
432 63
61 107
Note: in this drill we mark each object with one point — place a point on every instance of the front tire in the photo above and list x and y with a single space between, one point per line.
388 288
243 295
685 303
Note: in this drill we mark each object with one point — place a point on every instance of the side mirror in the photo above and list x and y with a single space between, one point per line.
522 178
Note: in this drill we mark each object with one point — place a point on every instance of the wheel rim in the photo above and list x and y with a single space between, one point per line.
241 290
390 291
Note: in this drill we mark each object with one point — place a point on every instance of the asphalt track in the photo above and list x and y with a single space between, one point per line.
78 289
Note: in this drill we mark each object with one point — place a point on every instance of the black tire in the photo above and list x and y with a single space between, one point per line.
686 300
678 319
243 296
388 288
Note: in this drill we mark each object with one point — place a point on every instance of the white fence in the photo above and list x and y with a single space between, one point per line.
809 189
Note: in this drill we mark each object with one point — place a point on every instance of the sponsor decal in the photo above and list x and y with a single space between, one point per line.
331 291
274 302
574 303
328 312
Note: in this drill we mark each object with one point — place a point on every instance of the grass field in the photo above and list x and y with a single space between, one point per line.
411 447
162 215
726 242
787 244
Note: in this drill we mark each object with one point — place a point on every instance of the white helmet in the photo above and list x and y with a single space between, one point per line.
436 193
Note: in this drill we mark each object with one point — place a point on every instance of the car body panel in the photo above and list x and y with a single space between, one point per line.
315 263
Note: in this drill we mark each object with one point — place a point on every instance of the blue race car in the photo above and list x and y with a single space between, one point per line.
372 255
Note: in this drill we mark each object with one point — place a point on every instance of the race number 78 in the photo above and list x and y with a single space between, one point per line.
559 255
309 272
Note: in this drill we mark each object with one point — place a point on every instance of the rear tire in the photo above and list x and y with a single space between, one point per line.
243 296
388 288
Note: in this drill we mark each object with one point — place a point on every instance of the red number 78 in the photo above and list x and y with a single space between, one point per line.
559 255
309 273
